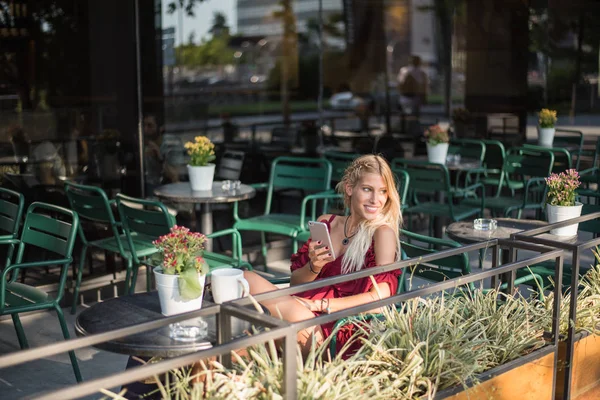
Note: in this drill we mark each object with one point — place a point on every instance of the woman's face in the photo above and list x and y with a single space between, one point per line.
368 196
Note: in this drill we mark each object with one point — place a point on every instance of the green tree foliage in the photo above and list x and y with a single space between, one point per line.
215 51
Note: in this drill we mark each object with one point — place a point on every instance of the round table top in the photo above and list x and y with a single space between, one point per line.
464 232
463 164
14 160
181 192
125 311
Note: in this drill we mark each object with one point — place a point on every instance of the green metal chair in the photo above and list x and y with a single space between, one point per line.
339 162
473 149
524 169
11 212
591 176
92 204
402 184
287 173
492 174
433 181
562 157
443 269
56 235
573 141
145 220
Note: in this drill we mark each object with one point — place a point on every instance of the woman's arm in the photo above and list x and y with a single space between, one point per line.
333 305
318 257
385 253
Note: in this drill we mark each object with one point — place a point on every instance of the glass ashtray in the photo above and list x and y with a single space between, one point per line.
485 224
189 330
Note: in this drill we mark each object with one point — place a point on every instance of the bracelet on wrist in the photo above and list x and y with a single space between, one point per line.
310 266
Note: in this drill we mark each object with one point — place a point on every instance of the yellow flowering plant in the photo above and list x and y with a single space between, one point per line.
201 151
547 118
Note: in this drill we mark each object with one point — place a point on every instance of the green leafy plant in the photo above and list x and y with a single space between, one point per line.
181 254
562 188
201 151
461 115
435 135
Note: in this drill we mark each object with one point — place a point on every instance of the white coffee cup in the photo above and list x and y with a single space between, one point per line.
228 284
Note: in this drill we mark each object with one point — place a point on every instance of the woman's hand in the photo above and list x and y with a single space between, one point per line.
319 255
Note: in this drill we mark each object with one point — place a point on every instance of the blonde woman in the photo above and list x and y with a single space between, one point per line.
366 238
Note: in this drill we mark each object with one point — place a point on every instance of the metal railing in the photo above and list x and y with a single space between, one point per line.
273 328
576 248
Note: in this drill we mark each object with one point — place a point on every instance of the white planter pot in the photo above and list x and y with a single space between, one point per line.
563 213
546 136
201 178
437 153
171 302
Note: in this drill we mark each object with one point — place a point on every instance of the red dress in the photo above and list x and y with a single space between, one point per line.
344 289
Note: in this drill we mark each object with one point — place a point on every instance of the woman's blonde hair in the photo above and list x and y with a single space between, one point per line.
391 215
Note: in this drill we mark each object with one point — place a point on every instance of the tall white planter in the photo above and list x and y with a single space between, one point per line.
201 178
546 136
437 153
563 213
171 302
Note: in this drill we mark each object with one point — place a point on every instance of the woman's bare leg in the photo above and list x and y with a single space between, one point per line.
287 308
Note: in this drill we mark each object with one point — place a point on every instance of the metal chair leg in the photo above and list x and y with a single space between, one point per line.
20 332
78 279
131 277
263 242
148 278
67 336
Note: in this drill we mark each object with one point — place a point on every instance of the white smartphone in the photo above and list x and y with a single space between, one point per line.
319 232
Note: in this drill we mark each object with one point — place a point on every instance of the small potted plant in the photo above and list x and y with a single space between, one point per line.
460 119
546 129
180 278
560 201
437 144
200 169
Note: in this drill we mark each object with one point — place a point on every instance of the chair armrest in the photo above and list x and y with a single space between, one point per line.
538 182
278 281
589 171
257 186
471 172
314 197
263 185
9 241
33 264
236 240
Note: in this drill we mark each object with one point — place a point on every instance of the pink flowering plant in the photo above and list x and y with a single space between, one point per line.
435 135
181 252
562 188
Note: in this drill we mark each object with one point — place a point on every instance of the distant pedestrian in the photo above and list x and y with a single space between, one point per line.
412 85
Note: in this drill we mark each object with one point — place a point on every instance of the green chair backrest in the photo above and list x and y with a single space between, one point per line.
425 177
308 174
339 162
523 162
403 180
442 269
468 148
562 157
144 217
596 155
91 203
49 227
572 138
11 212
495 154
